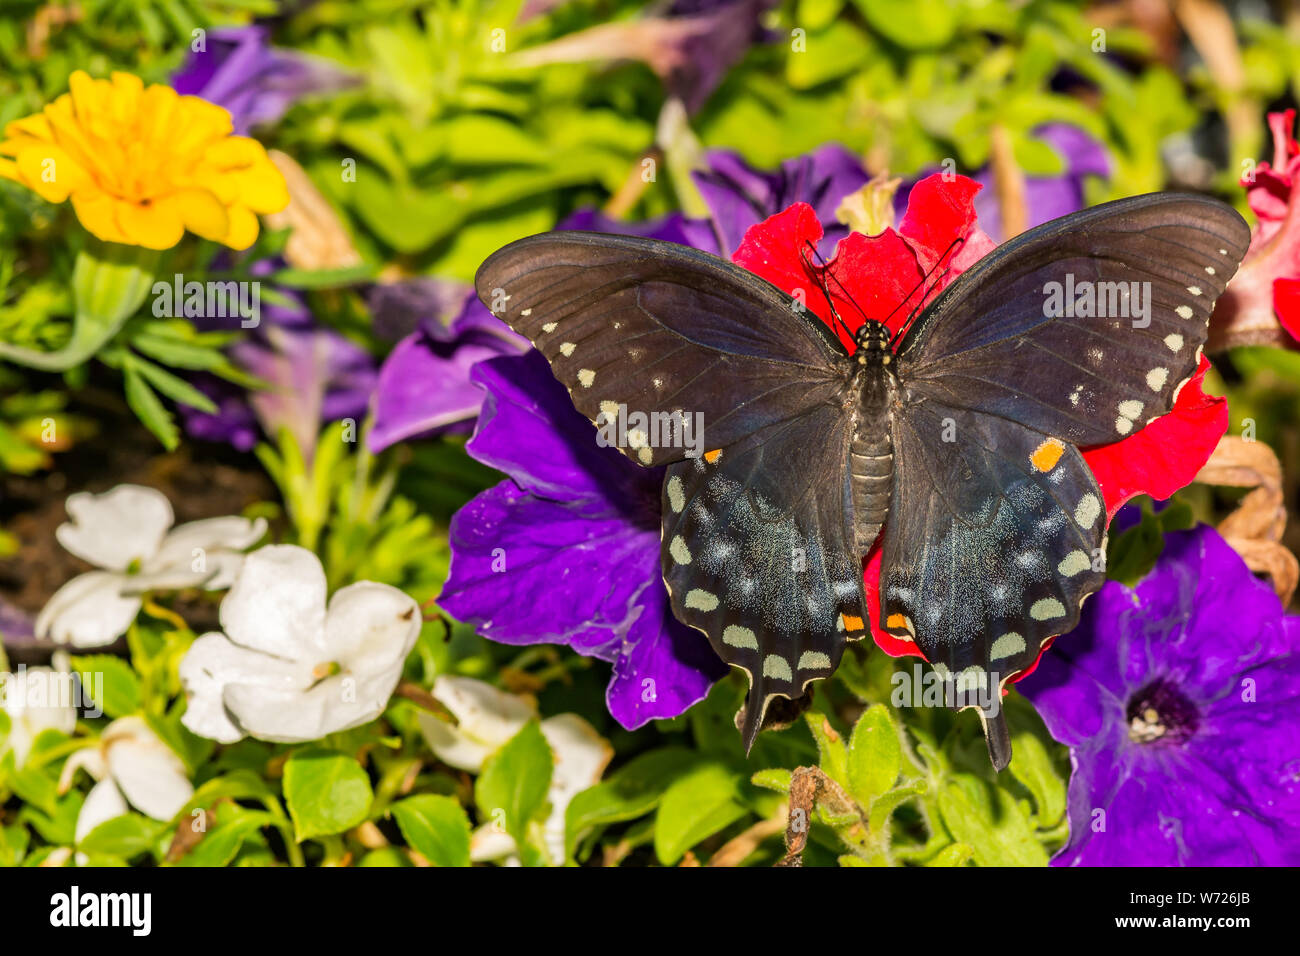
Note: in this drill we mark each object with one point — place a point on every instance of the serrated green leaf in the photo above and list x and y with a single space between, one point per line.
997 833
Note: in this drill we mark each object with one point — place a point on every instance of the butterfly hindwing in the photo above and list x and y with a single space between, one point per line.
995 538
989 344
633 325
758 554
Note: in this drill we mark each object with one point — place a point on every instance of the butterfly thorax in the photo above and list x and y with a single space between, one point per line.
871 453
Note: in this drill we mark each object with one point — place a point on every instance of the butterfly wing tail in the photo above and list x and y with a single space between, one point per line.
996 736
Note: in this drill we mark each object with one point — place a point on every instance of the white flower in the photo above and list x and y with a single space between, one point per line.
486 719
125 532
36 699
286 668
132 765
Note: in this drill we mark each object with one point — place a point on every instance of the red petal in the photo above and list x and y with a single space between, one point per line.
878 272
777 249
1166 455
871 584
1286 303
939 211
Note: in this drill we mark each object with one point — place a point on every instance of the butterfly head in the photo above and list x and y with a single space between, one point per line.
873 343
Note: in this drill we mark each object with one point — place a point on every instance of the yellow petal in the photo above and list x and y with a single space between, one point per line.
9 170
202 213
236 152
87 100
95 211
262 188
50 172
243 228
35 125
152 225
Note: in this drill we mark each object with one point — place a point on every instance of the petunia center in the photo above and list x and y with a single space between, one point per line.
1161 712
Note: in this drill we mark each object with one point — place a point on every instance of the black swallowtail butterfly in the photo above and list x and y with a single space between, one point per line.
962 442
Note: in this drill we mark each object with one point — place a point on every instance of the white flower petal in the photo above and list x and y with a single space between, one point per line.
211 547
483 711
88 611
486 719
489 842
370 628
151 776
122 525
104 802
277 604
296 716
581 756
37 699
213 662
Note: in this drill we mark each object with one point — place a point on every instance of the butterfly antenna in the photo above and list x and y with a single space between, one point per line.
826 292
924 279
834 278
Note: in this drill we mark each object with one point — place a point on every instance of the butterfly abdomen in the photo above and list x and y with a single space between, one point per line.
871 454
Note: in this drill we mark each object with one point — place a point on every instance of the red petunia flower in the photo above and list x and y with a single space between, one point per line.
880 274
1266 290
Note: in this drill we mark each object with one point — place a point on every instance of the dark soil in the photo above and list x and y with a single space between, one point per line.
202 480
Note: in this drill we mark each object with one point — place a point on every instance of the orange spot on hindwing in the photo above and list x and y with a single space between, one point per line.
1047 454
712 456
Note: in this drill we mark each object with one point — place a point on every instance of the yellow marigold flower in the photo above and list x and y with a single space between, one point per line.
143 165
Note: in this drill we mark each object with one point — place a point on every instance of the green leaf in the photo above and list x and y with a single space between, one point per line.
110 282
775 778
327 792
150 410
339 278
698 805
912 24
992 824
177 389
830 745
126 836
884 806
436 826
110 682
514 781
632 792
221 844
955 854
875 755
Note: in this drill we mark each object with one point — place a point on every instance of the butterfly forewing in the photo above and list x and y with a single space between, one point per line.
1020 335
633 325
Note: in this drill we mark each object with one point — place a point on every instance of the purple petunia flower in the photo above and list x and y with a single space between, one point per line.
1179 701
739 196
424 385
256 82
566 550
